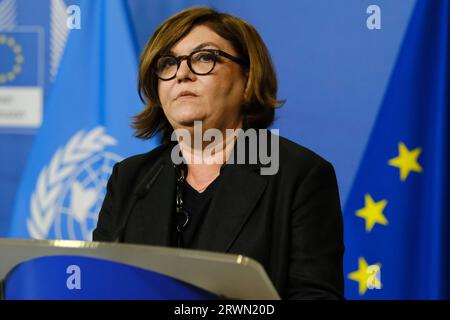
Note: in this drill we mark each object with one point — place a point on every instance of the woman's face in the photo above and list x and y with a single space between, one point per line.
215 98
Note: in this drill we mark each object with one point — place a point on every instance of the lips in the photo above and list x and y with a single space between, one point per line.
185 94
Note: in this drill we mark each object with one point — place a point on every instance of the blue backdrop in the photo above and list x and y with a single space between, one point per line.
366 84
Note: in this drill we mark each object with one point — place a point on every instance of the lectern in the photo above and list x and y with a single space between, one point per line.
62 269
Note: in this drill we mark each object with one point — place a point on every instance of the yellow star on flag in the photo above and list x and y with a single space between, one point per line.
365 276
406 161
372 212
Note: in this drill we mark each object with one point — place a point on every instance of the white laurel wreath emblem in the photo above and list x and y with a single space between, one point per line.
52 177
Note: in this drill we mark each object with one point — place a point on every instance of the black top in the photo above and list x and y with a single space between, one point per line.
197 205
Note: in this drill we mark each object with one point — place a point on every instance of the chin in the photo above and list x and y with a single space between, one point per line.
188 119
188 122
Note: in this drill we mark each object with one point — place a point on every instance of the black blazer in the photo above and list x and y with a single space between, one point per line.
290 222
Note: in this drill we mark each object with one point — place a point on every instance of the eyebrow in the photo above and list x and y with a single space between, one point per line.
200 46
206 44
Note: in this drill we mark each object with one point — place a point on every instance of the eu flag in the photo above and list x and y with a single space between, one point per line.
85 128
397 214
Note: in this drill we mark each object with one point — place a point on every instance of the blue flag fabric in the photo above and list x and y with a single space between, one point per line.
85 128
397 214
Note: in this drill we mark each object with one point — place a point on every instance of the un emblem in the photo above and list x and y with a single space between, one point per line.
70 190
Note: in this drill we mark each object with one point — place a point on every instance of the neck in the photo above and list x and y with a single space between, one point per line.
204 163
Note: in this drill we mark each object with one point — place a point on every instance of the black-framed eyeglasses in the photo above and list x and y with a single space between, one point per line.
200 62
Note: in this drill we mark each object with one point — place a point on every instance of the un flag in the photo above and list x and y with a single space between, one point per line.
85 128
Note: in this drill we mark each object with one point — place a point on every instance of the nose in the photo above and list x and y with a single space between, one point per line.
184 72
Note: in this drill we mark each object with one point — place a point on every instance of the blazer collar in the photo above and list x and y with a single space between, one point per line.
157 207
239 189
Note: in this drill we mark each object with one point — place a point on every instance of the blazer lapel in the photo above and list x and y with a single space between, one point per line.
157 206
239 190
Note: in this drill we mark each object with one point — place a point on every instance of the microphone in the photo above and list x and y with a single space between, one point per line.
140 191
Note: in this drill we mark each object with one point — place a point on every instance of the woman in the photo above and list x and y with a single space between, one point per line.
202 71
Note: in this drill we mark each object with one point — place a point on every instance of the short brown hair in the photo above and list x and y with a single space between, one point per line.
261 90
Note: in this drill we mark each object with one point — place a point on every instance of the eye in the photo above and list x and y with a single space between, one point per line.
205 57
166 62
